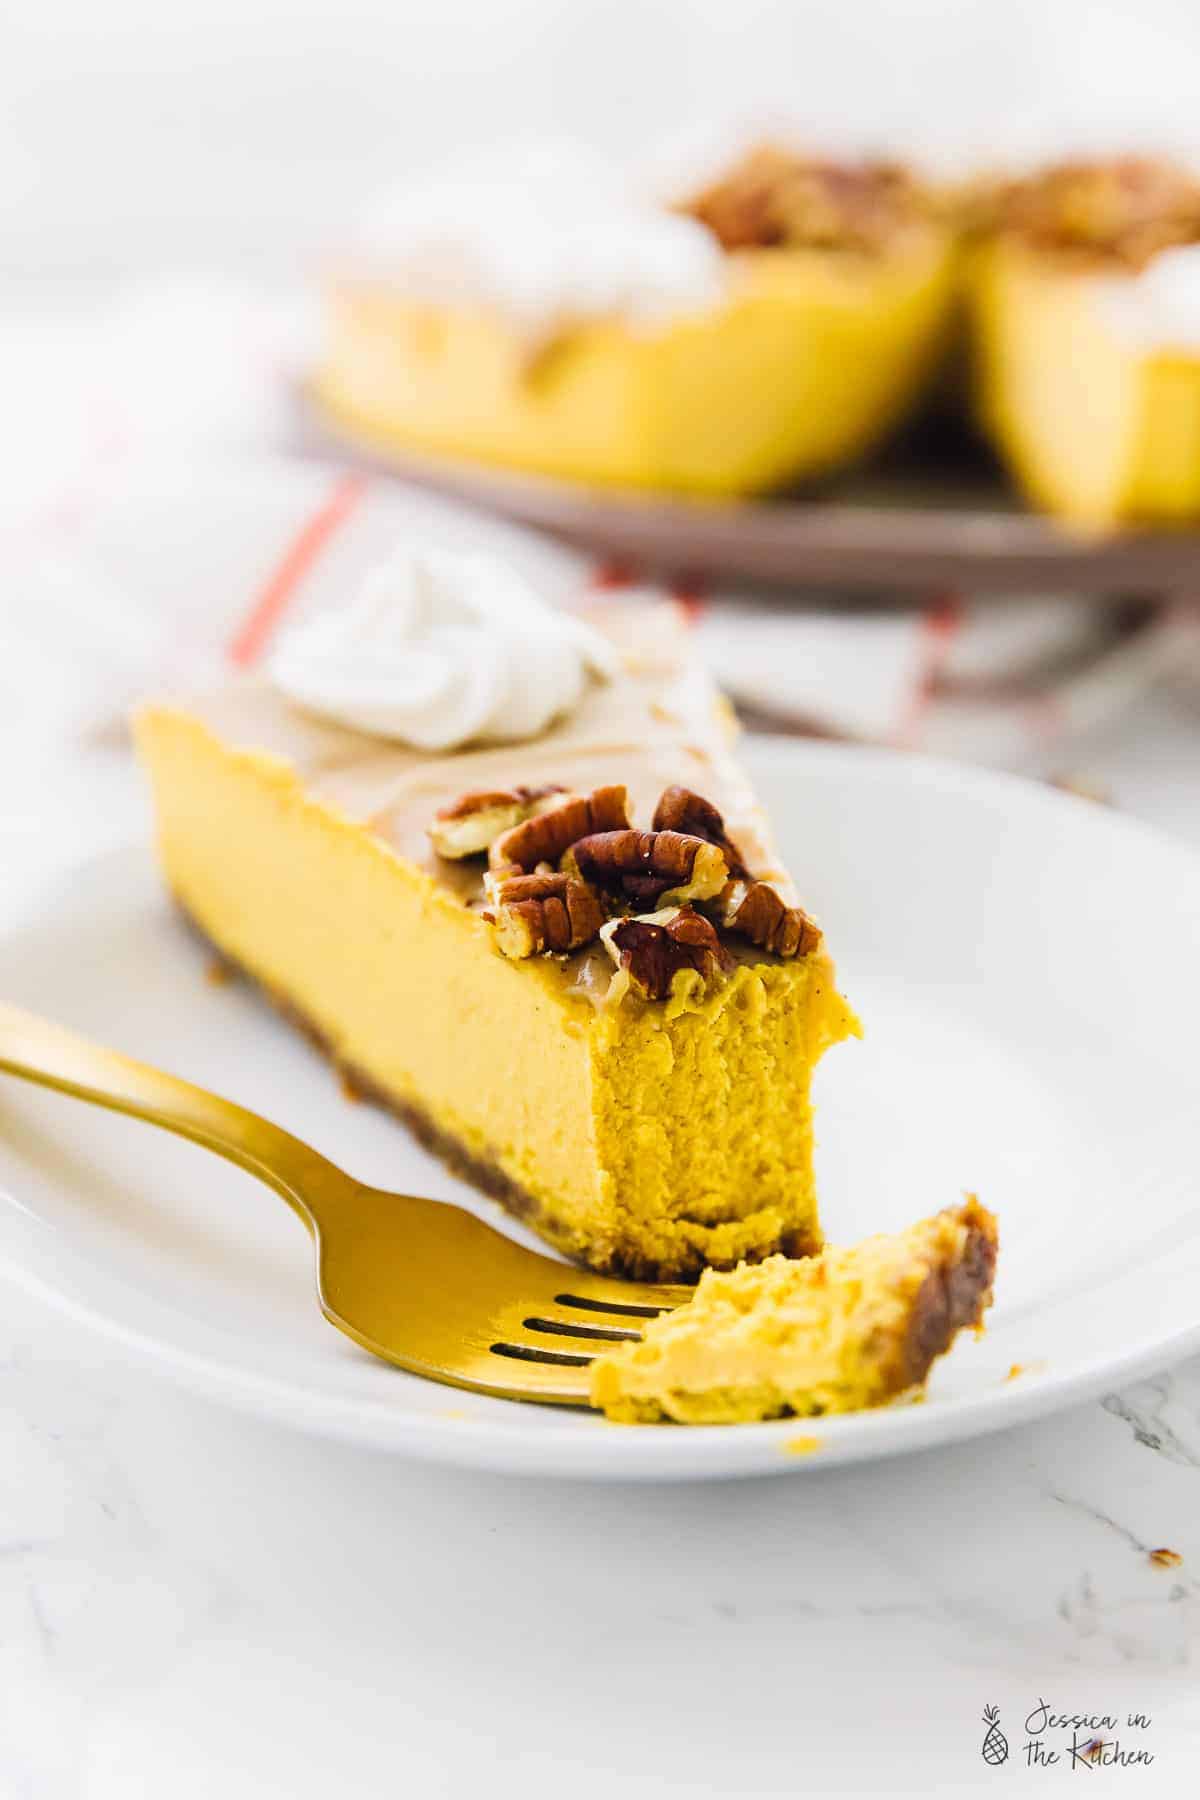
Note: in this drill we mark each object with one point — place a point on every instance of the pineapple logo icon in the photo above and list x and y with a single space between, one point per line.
995 1744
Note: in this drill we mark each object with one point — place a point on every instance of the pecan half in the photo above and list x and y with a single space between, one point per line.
649 868
758 911
654 949
536 913
545 837
679 809
470 824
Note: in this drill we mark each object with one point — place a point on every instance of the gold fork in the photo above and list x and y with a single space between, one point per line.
417 1282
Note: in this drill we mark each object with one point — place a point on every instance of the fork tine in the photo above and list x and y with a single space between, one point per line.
546 1383
490 1371
528 1377
581 1332
608 1315
600 1295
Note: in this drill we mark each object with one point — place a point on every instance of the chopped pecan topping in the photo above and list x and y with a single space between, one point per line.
758 911
679 809
536 913
545 837
772 196
1123 210
649 868
654 949
472 823
561 864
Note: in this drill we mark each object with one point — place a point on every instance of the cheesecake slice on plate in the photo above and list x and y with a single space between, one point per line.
571 962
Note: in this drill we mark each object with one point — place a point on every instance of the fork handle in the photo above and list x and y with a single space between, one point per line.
40 1051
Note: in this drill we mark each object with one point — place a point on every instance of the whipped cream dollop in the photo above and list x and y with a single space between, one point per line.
547 232
442 648
1159 307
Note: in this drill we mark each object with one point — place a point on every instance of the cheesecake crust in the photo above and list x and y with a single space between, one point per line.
483 1173
951 1298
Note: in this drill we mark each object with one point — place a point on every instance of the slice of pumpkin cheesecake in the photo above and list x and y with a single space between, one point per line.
769 326
571 962
848 1329
1084 300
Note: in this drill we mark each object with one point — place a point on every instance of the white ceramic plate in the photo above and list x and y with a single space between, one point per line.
1028 968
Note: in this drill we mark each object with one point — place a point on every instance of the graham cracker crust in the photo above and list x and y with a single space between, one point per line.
951 1298
487 1176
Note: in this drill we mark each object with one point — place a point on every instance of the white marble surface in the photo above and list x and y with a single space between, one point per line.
192 1603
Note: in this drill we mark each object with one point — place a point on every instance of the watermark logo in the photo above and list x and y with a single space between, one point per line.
1071 1740
1084 1740
994 1750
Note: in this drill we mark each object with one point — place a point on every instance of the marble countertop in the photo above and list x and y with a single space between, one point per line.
192 1603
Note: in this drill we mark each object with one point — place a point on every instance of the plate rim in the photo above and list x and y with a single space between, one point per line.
665 1454
435 1437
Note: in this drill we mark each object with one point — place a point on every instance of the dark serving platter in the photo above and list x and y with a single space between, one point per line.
933 514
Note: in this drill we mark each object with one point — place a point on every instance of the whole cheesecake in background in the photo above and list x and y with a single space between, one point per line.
506 870
770 326
1084 286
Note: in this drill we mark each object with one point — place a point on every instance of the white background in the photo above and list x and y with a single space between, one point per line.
238 132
